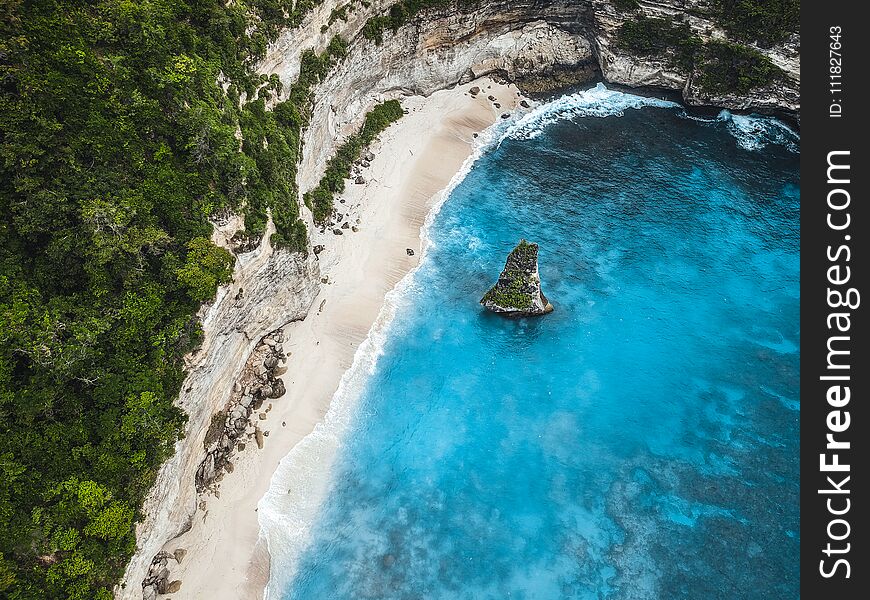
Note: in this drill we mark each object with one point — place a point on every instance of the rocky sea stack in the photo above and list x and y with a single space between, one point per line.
518 290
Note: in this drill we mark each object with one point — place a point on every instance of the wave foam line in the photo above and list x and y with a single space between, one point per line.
299 485
752 132
594 102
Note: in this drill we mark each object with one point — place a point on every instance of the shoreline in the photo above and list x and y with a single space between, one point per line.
415 160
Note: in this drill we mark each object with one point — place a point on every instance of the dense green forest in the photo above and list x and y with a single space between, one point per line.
125 127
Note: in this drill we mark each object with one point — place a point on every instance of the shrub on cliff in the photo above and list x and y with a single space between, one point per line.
731 68
721 67
648 36
764 21
403 11
205 268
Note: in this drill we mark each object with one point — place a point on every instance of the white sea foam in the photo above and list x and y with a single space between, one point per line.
595 102
754 132
301 481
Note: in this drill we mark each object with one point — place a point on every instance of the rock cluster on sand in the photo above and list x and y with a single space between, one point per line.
518 290
157 581
259 382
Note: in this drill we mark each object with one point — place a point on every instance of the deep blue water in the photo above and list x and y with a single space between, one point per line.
639 442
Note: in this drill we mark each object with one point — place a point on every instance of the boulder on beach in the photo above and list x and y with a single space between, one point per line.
518 290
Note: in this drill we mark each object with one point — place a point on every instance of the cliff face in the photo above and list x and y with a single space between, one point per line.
528 41
531 41
270 288
620 67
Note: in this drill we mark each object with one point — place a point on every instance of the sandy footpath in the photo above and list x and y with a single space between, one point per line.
414 160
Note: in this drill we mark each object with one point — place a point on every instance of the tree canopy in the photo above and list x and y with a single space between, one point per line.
126 128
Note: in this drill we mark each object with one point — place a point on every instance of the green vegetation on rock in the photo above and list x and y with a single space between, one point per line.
403 11
511 294
320 199
626 5
516 285
732 68
721 67
648 36
764 21
338 13
126 127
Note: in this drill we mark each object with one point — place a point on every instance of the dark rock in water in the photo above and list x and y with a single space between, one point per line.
337 232
345 225
474 91
525 104
505 115
518 290
318 249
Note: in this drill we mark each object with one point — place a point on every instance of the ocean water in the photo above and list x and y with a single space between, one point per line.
639 442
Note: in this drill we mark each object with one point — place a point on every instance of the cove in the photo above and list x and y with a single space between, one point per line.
641 441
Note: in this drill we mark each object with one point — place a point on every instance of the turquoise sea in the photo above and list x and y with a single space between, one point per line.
639 442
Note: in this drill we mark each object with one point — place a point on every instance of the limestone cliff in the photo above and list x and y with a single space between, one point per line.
527 41
270 288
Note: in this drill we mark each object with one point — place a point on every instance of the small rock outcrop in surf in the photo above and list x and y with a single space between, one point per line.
518 290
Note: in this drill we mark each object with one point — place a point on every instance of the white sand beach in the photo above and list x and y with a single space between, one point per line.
415 159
